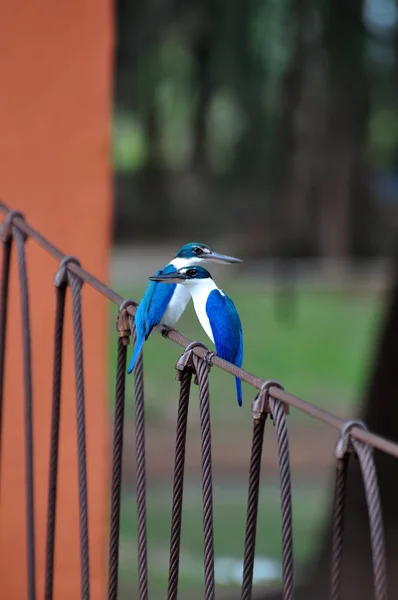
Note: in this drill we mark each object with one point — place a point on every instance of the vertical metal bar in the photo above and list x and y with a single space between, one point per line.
372 493
76 285
338 526
54 444
178 486
202 370
279 418
19 238
252 506
5 276
117 469
140 475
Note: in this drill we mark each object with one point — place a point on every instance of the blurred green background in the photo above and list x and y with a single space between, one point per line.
269 130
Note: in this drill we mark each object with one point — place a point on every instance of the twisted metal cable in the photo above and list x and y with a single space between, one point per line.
117 469
178 486
320 414
202 371
279 418
338 525
356 433
5 276
75 286
54 444
252 506
140 474
19 238
369 476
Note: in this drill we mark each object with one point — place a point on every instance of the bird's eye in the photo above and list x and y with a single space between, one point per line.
191 272
196 250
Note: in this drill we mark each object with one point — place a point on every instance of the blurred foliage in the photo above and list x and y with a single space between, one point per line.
166 76
289 104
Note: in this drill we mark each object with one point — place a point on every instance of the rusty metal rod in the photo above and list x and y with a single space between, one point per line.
313 411
28 408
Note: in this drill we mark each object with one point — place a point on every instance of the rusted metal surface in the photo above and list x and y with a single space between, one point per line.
116 489
19 238
54 443
202 372
278 415
259 419
338 526
75 285
140 458
365 457
178 485
272 402
263 406
5 275
347 446
123 331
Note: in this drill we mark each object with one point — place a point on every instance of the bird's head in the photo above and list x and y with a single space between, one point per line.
198 253
185 275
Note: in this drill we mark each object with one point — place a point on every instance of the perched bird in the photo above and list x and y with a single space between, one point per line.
164 304
216 312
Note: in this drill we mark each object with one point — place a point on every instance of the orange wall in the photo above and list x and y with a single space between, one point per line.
55 101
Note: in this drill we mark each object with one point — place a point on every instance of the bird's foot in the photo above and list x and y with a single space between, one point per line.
209 357
166 330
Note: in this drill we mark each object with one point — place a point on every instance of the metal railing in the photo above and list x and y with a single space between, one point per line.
195 362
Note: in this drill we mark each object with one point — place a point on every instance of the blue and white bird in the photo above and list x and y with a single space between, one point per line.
216 312
162 305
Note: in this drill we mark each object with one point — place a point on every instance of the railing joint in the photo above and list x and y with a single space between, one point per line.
185 361
261 404
7 224
61 276
123 321
344 444
164 332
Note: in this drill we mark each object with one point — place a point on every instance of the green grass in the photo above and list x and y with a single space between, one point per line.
309 503
320 355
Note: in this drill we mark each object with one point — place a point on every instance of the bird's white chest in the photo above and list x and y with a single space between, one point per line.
176 306
199 297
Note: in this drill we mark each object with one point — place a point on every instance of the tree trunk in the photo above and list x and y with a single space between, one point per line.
202 53
346 126
302 131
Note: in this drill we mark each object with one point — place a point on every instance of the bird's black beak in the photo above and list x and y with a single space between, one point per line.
169 278
221 258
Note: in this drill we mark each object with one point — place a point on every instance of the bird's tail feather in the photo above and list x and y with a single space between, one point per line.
137 351
239 390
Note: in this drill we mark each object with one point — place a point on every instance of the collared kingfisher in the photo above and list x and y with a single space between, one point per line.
163 305
216 312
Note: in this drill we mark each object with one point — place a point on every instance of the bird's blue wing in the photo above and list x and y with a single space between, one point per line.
151 310
154 302
226 327
227 331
